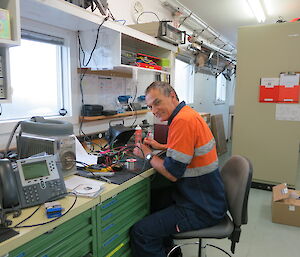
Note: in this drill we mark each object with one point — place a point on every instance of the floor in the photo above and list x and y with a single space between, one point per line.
260 237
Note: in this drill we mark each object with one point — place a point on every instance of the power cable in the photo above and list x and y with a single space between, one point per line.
47 222
80 49
137 19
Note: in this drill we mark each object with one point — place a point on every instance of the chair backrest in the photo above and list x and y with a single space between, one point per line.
237 177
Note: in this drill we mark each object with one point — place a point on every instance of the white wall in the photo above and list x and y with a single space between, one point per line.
99 91
124 10
204 97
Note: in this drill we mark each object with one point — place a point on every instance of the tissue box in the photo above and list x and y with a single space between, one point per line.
4 24
285 205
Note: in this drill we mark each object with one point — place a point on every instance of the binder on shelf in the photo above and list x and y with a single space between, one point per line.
269 90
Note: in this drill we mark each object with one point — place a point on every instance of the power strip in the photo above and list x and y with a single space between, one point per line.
2 89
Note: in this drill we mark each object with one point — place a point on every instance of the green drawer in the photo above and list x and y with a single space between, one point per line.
132 215
66 236
116 215
106 246
115 243
82 238
121 250
123 209
124 196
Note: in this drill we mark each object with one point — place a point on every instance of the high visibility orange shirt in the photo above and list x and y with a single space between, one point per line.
190 141
192 159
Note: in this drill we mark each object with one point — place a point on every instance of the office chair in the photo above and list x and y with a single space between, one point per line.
237 176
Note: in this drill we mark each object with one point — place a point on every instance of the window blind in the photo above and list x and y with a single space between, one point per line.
40 37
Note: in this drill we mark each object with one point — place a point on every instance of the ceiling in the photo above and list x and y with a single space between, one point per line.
225 16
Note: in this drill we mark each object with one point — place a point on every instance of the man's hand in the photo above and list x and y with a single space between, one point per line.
154 144
141 150
157 163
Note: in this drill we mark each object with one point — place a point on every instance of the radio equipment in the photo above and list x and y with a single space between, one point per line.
50 136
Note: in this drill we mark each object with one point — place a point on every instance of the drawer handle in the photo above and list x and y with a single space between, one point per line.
109 204
111 240
115 250
108 227
107 216
22 254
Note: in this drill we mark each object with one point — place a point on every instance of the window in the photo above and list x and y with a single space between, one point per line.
37 77
221 89
184 81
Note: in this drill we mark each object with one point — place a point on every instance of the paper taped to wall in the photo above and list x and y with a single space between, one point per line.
289 112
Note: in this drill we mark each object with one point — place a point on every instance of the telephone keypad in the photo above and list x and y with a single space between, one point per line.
35 193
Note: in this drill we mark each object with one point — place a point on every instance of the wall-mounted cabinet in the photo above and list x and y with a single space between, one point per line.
13 8
113 37
69 16
135 46
109 47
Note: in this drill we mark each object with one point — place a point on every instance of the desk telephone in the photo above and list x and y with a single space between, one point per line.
35 181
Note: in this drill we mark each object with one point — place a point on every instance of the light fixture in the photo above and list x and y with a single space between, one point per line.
257 10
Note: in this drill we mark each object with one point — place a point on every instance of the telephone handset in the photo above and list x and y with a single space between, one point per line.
37 180
8 193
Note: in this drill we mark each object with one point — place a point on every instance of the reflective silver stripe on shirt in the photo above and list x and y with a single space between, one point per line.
205 148
178 156
195 172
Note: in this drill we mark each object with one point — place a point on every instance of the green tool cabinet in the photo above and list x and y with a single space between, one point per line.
102 231
116 215
74 238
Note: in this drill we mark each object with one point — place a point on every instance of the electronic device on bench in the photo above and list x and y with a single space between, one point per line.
35 181
39 180
118 135
51 136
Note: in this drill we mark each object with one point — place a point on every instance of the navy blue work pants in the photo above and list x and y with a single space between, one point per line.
151 236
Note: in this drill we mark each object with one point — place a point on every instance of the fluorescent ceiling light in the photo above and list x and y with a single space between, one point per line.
257 10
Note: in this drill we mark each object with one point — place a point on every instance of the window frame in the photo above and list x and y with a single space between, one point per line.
191 79
69 69
217 100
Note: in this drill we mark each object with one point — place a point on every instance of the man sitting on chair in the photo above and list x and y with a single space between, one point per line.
198 199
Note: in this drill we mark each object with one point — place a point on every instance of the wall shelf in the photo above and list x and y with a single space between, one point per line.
102 117
106 73
122 71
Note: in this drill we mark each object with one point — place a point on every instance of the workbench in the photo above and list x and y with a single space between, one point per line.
93 227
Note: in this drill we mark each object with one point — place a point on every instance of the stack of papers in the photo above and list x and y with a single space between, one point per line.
84 186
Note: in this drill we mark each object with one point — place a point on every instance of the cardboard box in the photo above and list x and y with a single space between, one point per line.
217 128
4 24
286 205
